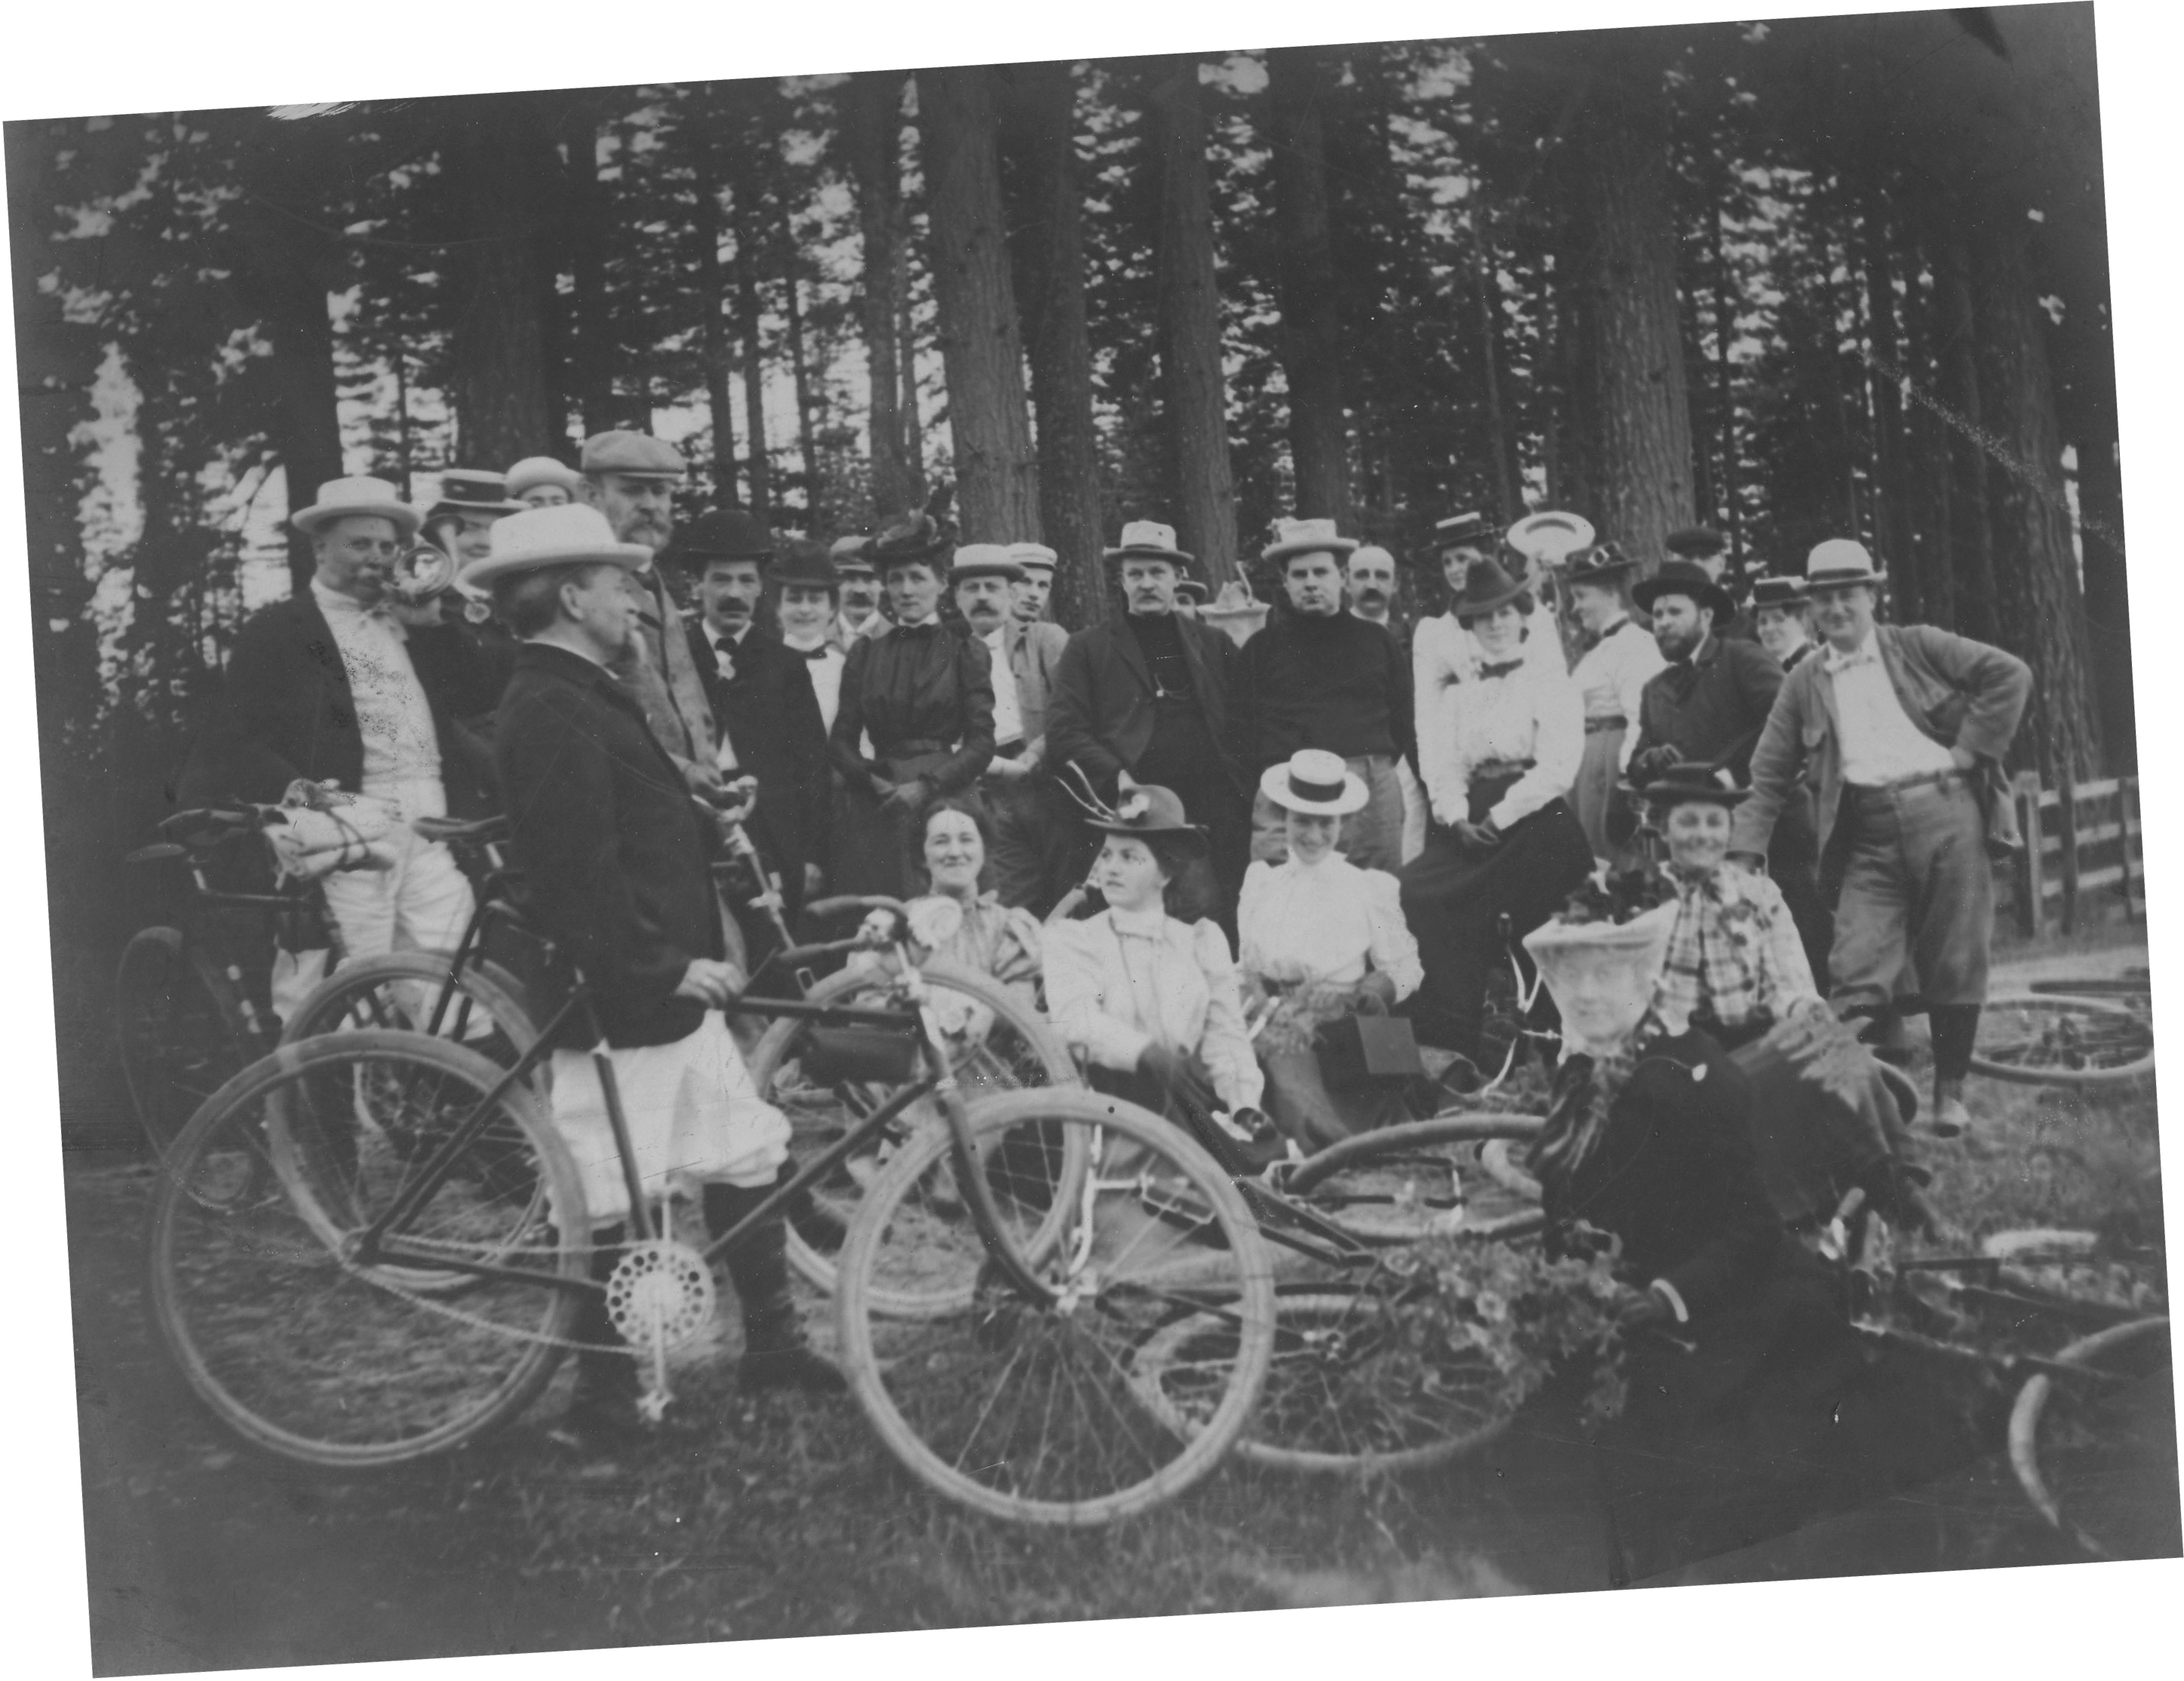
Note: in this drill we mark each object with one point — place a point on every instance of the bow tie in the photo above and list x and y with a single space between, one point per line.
818 653
1843 662
1500 668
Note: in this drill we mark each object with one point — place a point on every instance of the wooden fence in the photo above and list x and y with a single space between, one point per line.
2085 856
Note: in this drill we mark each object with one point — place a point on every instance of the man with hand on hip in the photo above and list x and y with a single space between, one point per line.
1031 838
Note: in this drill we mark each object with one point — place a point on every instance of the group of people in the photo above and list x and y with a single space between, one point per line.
1199 832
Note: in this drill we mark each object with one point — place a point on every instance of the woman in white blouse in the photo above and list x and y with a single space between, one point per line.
1321 939
1498 755
1151 1000
1611 677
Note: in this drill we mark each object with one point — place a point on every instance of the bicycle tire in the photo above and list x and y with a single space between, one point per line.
351 999
2075 1042
1367 1184
819 1112
2094 986
2066 1484
182 1028
1030 1409
302 1352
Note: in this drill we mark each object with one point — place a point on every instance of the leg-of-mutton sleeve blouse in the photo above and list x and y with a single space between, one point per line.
1530 713
1119 981
1329 921
1735 949
1613 676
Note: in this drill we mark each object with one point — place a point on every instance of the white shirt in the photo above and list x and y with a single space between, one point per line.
1008 710
1880 744
1325 922
1613 675
726 646
392 714
1119 981
825 674
1532 712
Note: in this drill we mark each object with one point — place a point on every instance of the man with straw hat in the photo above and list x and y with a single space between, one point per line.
1903 730
614 853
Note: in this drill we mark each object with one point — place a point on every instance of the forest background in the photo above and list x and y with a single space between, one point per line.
1796 279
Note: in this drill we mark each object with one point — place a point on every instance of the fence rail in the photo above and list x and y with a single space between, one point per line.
2084 853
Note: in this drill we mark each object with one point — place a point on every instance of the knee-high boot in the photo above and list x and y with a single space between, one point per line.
605 1401
776 1355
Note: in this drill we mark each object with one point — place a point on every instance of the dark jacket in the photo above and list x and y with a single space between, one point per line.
610 843
1339 684
1100 714
1712 708
288 712
919 693
771 716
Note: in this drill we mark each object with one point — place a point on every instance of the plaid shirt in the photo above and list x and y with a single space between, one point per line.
1733 950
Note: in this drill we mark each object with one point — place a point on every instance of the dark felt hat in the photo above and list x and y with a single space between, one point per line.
803 563
1461 530
1488 585
723 534
1684 577
1778 592
1694 542
1599 563
1680 784
1150 810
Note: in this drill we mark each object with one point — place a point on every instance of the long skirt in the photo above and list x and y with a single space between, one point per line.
878 851
1453 899
1824 1124
1597 774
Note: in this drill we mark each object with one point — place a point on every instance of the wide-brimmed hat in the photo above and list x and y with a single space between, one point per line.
1148 540
1306 537
1684 577
1193 590
1550 537
917 538
1562 948
538 538
470 490
1316 783
1034 556
534 471
1841 561
1597 562
722 534
803 563
985 560
635 456
1681 784
1488 585
1694 542
852 555
1775 592
1150 810
338 498
1466 530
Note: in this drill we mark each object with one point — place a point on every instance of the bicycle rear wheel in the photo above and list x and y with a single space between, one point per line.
1040 1410
484 1012
297 1345
182 1028
2098 1459
1401 1183
997 1044
2062 1042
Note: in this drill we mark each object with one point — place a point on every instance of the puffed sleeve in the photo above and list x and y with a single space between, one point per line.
1224 1046
1434 653
1076 997
1558 746
1251 913
1395 951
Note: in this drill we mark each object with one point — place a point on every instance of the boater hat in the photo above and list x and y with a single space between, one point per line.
338 498
1550 537
1149 540
1150 810
1841 561
466 490
538 538
985 560
1316 783
1682 784
1684 577
1460 530
1778 592
1306 537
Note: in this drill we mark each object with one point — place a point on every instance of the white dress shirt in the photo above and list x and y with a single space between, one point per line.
1328 921
1008 710
727 645
1880 744
1119 981
825 674
1532 713
392 714
1613 675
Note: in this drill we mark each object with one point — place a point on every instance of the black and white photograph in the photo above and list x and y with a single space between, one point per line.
1032 838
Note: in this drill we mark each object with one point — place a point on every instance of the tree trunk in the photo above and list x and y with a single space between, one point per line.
585 216
872 129
2042 607
913 412
749 314
1891 521
2086 403
800 371
1046 245
1501 437
1193 380
714 346
1310 337
498 156
1970 531
1932 509
981 346
1631 410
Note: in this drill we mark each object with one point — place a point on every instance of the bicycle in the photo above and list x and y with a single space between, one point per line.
2078 1033
368 1246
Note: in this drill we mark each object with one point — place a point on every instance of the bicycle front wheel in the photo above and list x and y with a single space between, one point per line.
1401 1184
181 1029
1044 1411
2062 1042
304 1349
2098 1458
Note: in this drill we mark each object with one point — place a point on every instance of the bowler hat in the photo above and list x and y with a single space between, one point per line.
1149 540
1694 542
534 471
538 538
1597 564
722 534
1773 591
1193 590
804 562
985 560
1488 585
1306 537
1841 561
467 490
632 454
1150 810
1315 781
1684 577
338 498
1680 784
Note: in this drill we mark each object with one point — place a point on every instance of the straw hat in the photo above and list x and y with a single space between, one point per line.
1306 537
538 538
1841 561
1316 783
1149 540
339 498
469 490
1550 537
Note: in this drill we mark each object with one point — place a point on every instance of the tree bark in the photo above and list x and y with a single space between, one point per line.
913 412
2084 352
498 155
1971 535
2042 606
800 371
585 232
1046 245
1193 382
1932 557
872 129
1310 337
715 348
750 320
1501 437
1631 410
1891 521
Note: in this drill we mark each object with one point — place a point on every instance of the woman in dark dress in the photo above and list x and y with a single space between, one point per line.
925 696
1741 1345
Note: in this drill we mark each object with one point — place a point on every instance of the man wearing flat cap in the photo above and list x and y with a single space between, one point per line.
1035 590
1902 731
763 704
631 477
1319 676
1031 835
858 615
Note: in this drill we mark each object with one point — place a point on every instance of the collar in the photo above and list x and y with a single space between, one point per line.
563 662
1327 864
334 602
998 638
716 637
1706 652
1614 626
818 644
1867 650
1144 924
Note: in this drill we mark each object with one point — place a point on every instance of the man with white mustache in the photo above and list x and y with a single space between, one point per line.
1371 580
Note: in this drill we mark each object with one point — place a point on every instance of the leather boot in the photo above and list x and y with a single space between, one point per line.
603 1411
776 1355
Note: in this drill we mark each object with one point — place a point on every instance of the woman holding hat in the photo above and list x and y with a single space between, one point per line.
1321 939
1611 676
1498 750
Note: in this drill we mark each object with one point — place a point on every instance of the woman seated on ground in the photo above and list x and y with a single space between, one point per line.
1321 939
1828 1116
1150 998
990 938
1649 1139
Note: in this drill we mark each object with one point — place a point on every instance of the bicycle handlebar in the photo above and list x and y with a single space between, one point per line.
842 904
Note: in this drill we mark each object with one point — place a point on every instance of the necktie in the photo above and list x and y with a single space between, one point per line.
1500 668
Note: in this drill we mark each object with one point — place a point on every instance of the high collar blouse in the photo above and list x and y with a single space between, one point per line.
1487 713
1612 677
1329 922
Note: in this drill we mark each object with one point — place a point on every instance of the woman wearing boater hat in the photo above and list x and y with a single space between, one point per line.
1324 939
1612 677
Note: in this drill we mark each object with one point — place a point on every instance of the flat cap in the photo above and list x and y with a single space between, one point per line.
639 454
985 560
